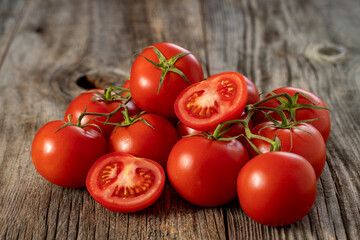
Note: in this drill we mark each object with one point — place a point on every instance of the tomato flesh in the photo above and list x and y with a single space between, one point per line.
204 105
123 183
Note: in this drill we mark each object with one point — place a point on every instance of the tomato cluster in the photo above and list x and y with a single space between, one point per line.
214 139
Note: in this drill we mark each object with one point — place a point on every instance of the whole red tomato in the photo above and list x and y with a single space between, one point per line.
277 188
64 157
204 171
322 124
253 92
309 144
123 183
95 104
145 78
144 141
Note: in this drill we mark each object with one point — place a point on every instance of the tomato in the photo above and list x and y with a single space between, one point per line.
64 157
142 140
253 92
127 84
123 183
77 106
277 188
235 130
204 171
322 124
145 78
309 144
220 98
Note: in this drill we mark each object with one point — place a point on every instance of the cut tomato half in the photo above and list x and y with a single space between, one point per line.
124 183
205 104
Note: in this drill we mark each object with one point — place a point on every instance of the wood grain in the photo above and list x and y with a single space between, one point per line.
49 48
10 15
282 45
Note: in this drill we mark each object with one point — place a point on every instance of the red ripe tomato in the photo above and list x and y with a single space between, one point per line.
322 124
127 84
204 171
64 157
123 183
277 188
253 92
309 144
77 106
220 98
145 78
235 130
142 140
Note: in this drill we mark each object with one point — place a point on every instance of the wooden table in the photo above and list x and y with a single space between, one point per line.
51 50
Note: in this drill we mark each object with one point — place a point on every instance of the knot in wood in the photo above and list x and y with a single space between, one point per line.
326 53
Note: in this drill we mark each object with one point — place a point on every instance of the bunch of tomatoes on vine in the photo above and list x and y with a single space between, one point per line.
214 139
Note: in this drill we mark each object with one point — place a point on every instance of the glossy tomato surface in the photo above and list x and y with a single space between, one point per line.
77 106
220 98
277 188
253 92
307 142
64 157
204 171
142 140
322 124
145 79
123 183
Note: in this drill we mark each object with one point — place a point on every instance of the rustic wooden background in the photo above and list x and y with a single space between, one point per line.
51 50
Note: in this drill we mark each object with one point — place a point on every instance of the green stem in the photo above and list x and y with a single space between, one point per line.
286 95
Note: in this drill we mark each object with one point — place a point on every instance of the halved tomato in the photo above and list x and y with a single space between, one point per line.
205 104
124 183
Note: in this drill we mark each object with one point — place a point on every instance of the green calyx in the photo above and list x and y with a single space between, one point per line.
291 104
78 123
166 65
128 120
112 94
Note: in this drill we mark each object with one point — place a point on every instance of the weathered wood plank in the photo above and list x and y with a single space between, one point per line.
57 43
46 46
10 15
299 43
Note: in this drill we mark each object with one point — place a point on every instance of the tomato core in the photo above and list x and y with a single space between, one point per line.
129 181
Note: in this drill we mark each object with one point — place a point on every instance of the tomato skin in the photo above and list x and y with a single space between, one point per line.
220 98
322 124
235 130
145 79
77 106
277 188
124 174
143 141
126 84
64 157
310 146
204 171
253 92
